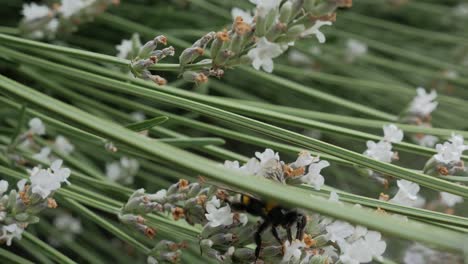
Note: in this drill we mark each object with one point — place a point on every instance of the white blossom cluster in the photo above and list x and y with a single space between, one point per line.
123 170
45 22
226 233
353 244
20 206
382 150
44 154
267 164
354 50
419 113
68 227
420 254
260 35
448 161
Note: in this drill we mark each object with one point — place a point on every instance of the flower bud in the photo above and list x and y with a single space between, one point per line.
22 217
285 12
236 43
136 45
161 54
272 251
189 55
319 259
158 80
150 46
321 240
194 189
244 255
222 37
223 239
309 5
208 230
295 31
196 77
203 41
223 57
171 257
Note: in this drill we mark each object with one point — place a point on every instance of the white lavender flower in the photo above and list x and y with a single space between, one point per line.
69 8
246 15
217 215
423 104
426 140
407 194
63 145
420 254
36 127
267 155
304 159
364 249
313 176
11 231
392 133
68 226
293 251
59 172
124 48
265 6
43 154
44 182
449 199
450 151
381 151
3 187
34 11
123 170
263 54
355 49
339 230
315 30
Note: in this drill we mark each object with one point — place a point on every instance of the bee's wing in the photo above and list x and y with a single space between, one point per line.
231 189
273 170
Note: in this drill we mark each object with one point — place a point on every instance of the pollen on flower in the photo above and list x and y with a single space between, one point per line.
178 213
345 3
223 35
222 194
309 241
381 211
51 203
24 196
158 80
150 232
442 170
183 184
384 197
161 39
201 78
201 199
241 28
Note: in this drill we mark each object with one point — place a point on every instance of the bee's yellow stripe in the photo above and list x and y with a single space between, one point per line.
245 200
269 206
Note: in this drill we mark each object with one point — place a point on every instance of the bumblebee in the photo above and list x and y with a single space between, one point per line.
272 215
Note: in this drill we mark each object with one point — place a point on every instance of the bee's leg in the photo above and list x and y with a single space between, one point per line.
274 231
301 224
258 238
288 231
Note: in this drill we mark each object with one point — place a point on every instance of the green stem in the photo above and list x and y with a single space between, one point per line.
52 252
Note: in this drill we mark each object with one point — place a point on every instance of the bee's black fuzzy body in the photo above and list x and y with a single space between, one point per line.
273 215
